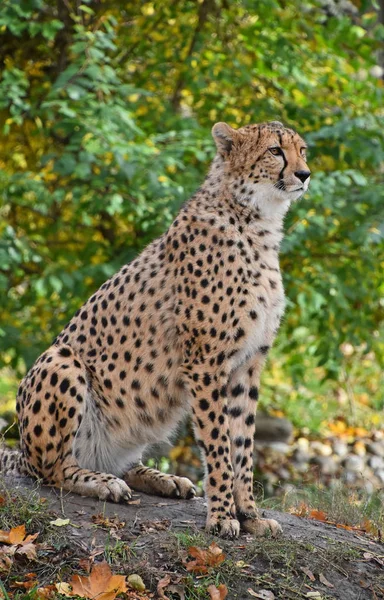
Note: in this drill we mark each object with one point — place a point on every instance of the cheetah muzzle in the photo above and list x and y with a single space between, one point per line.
186 327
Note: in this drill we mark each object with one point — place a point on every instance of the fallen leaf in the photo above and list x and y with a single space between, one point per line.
14 536
263 594
162 584
46 593
85 564
325 581
150 526
100 584
64 588
205 559
24 585
60 522
308 573
5 563
136 582
108 523
316 595
217 593
241 564
318 515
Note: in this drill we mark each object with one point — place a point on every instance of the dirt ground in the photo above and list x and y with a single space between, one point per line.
310 556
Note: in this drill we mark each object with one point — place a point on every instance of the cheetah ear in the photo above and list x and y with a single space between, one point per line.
224 137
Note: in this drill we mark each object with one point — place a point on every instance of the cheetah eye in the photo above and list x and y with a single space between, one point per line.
303 152
276 151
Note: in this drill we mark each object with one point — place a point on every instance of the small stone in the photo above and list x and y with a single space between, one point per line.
326 463
321 449
354 463
340 448
359 448
380 475
375 448
376 463
300 456
303 444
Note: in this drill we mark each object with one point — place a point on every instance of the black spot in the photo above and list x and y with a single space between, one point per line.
238 390
54 379
64 385
254 393
65 352
37 430
36 407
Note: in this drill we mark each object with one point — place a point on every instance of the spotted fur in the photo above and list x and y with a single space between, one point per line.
184 327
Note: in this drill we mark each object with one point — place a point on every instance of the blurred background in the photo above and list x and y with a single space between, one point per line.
106 108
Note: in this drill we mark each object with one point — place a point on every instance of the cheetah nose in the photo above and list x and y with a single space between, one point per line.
302 175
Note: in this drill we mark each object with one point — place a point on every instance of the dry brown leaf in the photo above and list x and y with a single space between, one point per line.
24 585
100 584
14 536
205 559
85 564
325 581
5 562
318 515
46 593
108 523
162 584
308 573
150 526
217 593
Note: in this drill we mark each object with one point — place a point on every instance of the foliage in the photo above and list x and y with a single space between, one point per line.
107 109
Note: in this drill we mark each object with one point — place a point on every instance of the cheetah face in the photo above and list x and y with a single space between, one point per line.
263 163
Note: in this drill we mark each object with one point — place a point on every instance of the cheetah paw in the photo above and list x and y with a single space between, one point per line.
262 527
172 486
229 528
114 489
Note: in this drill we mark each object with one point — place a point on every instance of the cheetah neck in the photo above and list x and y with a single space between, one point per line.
261 218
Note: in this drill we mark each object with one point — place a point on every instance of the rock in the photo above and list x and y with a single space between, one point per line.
321 449
376 448
300 456
354 463
376 462
326 463
272 429
278 447
380 475
340 448
359 448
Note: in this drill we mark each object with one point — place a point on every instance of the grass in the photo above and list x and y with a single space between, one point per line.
340 505
17 508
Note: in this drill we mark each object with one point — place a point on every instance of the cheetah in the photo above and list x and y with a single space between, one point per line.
185 327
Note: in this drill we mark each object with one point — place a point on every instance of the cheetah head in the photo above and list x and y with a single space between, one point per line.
263 165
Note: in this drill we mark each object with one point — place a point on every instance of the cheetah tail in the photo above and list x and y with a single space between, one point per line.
12 462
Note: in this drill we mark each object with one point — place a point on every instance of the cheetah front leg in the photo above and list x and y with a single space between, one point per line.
210 420
152 481
242 404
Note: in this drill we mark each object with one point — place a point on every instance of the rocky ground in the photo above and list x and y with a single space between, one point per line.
153 537
283 462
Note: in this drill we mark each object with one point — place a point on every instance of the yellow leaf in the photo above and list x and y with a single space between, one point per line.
136 582
60 522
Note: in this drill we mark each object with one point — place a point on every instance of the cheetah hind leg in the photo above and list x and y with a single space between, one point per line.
151 481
